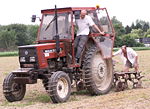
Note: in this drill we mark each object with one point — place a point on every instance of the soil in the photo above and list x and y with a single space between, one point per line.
37 98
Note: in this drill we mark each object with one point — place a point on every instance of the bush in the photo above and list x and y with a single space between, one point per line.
127 40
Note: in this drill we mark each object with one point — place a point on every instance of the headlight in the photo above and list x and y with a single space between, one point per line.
22 59
32 59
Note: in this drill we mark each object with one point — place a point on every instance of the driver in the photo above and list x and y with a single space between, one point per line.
83 24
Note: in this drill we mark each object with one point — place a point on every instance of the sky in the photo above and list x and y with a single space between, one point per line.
20 11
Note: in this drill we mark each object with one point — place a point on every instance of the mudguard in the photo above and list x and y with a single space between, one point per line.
25 76
105 44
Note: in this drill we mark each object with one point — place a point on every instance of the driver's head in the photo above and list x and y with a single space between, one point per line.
83 13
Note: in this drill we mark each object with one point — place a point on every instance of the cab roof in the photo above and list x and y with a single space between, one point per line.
67 9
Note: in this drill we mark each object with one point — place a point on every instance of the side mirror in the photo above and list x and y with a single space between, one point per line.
33 18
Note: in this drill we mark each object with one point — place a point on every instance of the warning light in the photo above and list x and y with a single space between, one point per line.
97 6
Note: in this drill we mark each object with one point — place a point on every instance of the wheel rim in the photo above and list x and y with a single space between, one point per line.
100 72
62 87
17 89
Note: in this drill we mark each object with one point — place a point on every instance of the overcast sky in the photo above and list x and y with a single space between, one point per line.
20 11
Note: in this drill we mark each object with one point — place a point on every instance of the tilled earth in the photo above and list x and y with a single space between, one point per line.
37 98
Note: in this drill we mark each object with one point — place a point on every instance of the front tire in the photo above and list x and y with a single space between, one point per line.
13 91
98 75
59 87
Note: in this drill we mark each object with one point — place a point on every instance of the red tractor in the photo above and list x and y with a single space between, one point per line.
52 58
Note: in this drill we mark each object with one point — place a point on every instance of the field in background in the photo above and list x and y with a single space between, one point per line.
37 98
136 48
15 53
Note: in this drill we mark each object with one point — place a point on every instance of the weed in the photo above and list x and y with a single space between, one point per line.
43 98
6 103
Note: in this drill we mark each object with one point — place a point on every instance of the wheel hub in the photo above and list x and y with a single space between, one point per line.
62 87
101 70
16 88
59 87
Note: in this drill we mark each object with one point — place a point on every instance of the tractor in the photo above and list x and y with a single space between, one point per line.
52 58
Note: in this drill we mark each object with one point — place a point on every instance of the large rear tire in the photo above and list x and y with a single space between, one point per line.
59 87
98 75
13 91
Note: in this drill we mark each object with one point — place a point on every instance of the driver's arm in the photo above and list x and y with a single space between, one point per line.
91 23
96 27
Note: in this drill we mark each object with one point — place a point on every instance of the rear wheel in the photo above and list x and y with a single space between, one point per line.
98 72
59 87
13 91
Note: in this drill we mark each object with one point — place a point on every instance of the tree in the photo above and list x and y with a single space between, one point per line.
118 26
129 41
7 39
147 34
137 33
132 26
119 29
128 29
141 24
118 42
145 27
32 33
16 35
21 33
138 26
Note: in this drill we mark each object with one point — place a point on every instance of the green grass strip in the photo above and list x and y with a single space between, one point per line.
135 48
6 54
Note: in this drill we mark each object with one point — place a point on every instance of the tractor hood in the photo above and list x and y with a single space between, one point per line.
38 45
40 53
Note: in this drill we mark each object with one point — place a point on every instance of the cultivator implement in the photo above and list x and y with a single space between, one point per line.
121 80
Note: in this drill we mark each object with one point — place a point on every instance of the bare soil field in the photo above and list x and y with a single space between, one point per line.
37 98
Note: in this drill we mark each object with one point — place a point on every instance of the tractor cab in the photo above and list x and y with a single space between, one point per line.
66 18
61 22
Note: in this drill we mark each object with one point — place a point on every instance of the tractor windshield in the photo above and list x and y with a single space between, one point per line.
104 20
101 20
48 27
105 23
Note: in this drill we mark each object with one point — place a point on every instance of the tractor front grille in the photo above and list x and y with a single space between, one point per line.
28 57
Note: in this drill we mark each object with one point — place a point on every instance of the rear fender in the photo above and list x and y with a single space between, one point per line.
105 45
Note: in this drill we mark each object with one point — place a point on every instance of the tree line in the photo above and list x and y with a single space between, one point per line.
127 35
15 35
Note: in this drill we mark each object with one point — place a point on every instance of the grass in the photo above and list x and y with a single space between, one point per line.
12 53
82 92
43 98
136 48
6 103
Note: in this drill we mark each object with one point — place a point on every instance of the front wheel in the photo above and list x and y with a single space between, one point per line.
98 72
12 90
59 87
